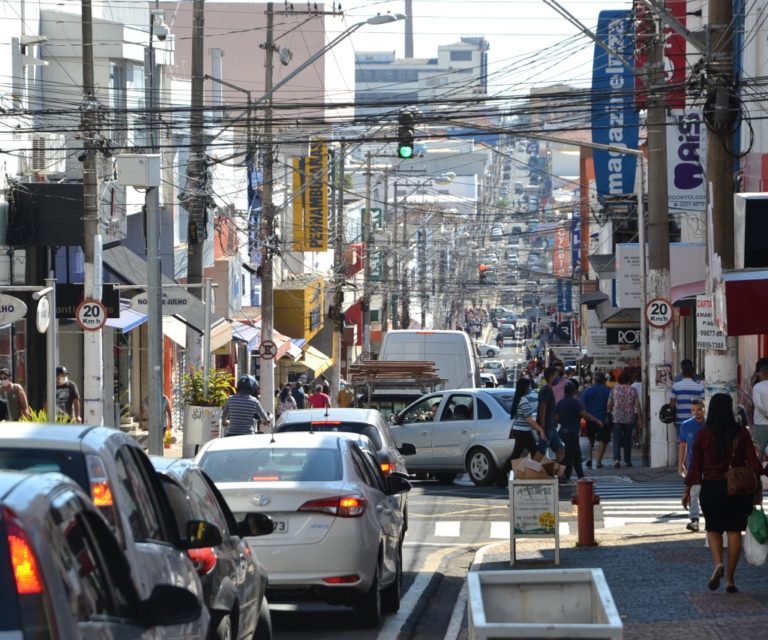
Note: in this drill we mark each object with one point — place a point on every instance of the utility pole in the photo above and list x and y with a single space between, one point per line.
93 383
721 366
663 440
422 251
394 249
267 366
367 235
196 195
338 272
385 261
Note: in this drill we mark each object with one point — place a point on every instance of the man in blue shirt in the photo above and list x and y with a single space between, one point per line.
688 430
595 399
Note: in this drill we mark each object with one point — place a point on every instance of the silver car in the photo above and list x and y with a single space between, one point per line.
113 469
458 431
64 575
338 527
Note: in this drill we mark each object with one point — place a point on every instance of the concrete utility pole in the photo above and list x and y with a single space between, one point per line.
196 189
663 441
196 195
93 383
368 244
267 365
720 367
385 297
394 250
338 271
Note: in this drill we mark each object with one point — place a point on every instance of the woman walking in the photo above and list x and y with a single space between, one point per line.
624 407
720 444
285 401
523 424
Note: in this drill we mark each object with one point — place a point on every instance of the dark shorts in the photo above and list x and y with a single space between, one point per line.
598 434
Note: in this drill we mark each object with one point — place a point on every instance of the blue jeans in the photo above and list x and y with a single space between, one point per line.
622 437
552 441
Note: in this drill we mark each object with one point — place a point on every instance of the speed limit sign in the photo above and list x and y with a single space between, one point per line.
658 312
91 315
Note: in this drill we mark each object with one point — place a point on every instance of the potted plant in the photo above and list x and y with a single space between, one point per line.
202 412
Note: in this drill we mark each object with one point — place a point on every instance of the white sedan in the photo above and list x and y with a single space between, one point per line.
458 431
486 350
338 525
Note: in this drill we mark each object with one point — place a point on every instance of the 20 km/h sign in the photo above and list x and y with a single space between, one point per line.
659 312
91 315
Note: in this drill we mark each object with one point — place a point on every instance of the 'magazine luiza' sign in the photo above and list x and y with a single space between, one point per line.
615 121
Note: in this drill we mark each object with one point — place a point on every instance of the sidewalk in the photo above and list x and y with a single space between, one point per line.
657 574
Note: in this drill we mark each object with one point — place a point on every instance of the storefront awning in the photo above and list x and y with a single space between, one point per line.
604 265
608 314
316 360
251 335
744 294
128 318
176 330
593 298
132 269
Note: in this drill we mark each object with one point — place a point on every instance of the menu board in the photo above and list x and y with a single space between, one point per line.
534 505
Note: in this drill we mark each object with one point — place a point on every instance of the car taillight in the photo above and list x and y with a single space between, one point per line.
101 490
30 585
203 559
343 506
342 579
387 468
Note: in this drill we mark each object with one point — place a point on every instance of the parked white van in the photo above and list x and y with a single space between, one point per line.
451 351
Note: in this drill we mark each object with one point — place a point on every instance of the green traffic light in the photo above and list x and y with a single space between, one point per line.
405 152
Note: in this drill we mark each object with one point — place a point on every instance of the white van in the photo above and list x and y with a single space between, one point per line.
451 351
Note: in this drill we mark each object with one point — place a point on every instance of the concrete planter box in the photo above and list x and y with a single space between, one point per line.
201 424
569 604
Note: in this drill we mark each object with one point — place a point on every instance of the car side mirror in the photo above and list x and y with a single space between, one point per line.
394 418
397 483
255 524
169 605
201 534
407 449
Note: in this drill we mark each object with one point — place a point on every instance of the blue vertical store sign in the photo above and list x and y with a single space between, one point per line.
614 119
255 180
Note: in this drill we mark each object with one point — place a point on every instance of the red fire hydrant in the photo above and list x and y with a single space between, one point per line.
585 500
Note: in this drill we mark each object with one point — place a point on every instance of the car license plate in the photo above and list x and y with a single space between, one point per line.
281 526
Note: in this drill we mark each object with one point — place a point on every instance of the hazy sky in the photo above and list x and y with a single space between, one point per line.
529 41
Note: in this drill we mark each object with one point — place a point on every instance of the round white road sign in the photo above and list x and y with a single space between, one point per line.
43 318
11 309
659 312
91 315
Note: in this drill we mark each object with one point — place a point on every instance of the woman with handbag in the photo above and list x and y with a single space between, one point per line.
724 463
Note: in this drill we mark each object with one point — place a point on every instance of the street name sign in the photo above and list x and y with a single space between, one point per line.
174 301
91 315
658 312
11 309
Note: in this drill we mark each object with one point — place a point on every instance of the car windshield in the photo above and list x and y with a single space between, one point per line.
70 463
272 465
361 428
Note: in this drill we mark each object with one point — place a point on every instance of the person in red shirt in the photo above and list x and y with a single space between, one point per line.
319 400
721 443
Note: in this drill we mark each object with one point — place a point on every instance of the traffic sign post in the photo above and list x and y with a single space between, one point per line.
268 350
659 312
91 315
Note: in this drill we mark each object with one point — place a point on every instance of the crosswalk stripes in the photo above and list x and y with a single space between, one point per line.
467 530
639 503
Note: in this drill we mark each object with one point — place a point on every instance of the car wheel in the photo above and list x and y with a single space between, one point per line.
224 629
390 597
481 467
445 478
490 353
264 624
368 605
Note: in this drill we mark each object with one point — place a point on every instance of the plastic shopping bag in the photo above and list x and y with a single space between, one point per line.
757 523
754 552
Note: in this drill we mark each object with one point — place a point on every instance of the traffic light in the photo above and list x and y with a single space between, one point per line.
405 135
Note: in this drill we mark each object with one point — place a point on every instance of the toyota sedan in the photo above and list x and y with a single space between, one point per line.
338 526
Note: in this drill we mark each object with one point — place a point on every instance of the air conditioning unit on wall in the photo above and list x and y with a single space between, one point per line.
49 153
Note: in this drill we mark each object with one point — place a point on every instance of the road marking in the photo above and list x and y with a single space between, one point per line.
500 530
448 528
394 623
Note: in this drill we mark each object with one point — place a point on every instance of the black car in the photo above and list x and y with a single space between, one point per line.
234 583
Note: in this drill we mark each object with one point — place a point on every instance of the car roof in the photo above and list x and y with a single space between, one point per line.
33 435
290 440
8 480
350 414
34 482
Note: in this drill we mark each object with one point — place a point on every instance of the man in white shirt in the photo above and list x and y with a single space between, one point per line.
760 400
